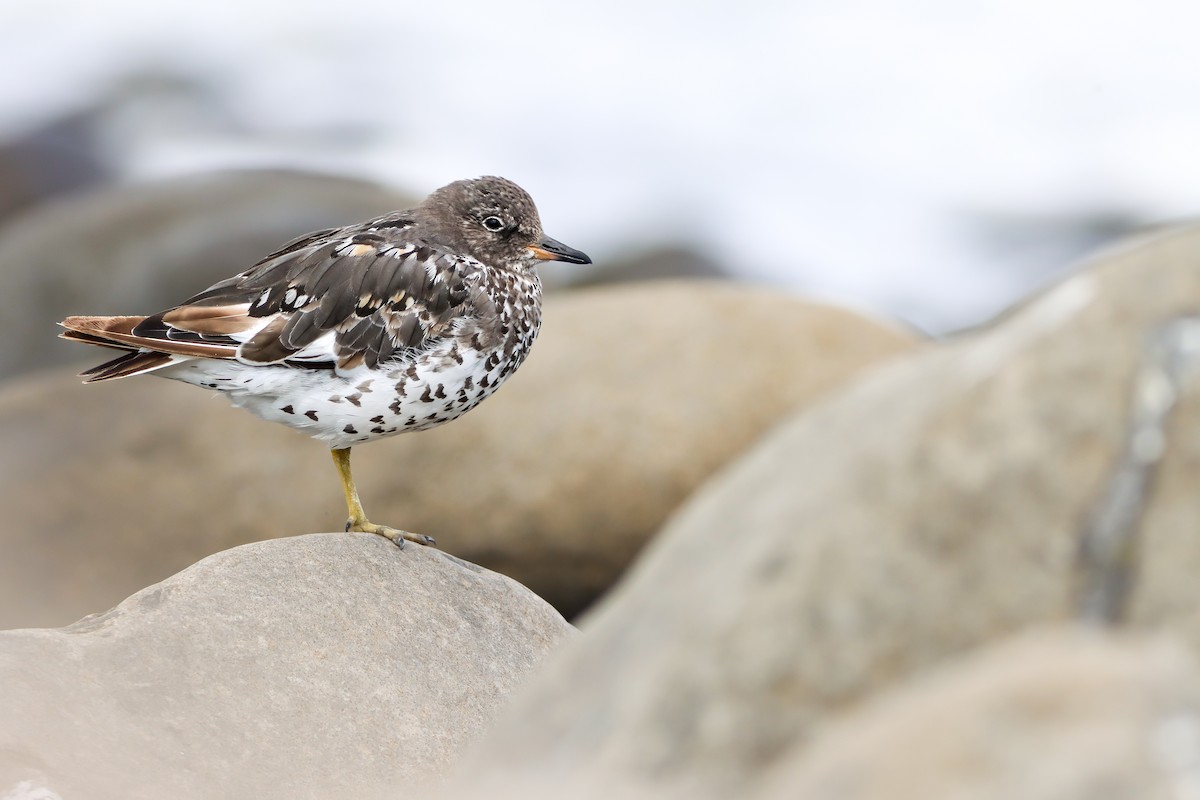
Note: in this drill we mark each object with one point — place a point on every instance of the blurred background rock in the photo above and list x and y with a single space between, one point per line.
924 514
558 481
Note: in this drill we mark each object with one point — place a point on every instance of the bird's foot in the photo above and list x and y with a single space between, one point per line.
393 535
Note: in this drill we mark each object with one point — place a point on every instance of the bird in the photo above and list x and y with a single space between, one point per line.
351 334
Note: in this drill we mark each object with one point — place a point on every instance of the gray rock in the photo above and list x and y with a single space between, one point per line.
631 398
1051 715
141 248
928 508
52 159
312 667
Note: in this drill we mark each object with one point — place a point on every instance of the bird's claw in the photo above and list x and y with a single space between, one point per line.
393 535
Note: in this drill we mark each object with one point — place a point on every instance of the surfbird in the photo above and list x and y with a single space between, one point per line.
398 324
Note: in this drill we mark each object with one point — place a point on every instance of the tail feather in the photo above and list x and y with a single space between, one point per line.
87 338
135 363
118 332
141 354
102 327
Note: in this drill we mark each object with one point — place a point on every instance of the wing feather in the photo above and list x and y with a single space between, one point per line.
376 283
208 320
300 329
267 346
364 294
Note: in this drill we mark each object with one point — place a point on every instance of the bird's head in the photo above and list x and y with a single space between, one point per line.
497 223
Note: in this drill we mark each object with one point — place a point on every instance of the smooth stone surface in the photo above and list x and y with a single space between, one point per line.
631 398
929 508
1052 715
318 666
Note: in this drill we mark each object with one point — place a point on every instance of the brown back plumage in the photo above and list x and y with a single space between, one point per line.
343 297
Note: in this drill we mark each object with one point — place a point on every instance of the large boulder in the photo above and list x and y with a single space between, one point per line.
318 666
141 248
928 508
1051 715
632 397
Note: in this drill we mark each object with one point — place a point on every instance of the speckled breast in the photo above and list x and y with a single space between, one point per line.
417 391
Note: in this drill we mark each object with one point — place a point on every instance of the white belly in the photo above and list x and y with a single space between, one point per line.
357 406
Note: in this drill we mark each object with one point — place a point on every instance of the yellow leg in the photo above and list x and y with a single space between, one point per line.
358 521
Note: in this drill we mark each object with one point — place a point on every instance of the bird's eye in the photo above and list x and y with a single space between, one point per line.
493 224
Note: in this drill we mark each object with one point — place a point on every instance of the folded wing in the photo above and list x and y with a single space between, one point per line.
334 299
